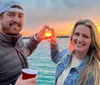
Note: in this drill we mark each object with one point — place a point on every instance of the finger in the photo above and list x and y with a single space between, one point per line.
53 31
49 40
44 28
32 84
32 80
47 26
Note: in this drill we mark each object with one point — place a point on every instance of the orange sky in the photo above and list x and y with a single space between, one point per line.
60 28
59 14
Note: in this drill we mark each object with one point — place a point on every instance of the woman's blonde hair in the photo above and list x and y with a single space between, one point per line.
92 67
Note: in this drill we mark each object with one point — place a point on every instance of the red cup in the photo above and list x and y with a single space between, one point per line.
28 73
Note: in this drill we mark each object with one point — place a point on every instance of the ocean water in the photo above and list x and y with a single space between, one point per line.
41 61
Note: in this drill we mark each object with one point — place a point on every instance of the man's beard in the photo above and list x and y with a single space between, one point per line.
5 28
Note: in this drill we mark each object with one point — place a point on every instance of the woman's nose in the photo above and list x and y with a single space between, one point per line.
80 38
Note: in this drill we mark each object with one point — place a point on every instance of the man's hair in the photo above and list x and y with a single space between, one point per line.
1 15
16 6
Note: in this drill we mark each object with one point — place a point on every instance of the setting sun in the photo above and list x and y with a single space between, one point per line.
47 34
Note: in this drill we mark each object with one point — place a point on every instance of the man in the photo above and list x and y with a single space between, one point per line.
13 52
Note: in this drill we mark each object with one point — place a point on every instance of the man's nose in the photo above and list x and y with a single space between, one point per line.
16 19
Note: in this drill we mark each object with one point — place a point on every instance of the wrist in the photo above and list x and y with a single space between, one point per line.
36 38
54 42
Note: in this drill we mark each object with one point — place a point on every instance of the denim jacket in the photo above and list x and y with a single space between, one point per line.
63 59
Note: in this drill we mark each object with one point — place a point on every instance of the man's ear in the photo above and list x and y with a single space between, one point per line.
0 23
0 19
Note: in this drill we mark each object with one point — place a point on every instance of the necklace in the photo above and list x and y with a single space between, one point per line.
78 58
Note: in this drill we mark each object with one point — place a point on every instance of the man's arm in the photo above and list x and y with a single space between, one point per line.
32 44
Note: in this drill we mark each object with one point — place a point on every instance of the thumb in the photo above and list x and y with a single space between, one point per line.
32 80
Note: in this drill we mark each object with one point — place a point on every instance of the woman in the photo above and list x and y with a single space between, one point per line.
80 63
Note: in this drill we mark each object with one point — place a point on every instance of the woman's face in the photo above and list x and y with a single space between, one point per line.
81 38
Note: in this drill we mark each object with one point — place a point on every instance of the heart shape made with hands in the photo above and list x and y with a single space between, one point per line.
48 33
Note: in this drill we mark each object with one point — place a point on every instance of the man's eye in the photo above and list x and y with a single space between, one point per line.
20 16
11 15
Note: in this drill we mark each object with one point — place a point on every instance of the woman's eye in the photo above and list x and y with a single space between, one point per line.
77 34
85 36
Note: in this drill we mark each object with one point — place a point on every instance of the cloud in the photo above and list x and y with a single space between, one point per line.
51 11
41 11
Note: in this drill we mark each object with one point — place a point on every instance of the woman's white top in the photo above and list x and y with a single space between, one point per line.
74 63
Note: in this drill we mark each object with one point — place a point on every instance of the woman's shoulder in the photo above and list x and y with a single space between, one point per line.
64 56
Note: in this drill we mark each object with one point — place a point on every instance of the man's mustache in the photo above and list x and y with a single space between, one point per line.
15 23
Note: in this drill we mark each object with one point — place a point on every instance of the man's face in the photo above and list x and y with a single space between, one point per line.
12 22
